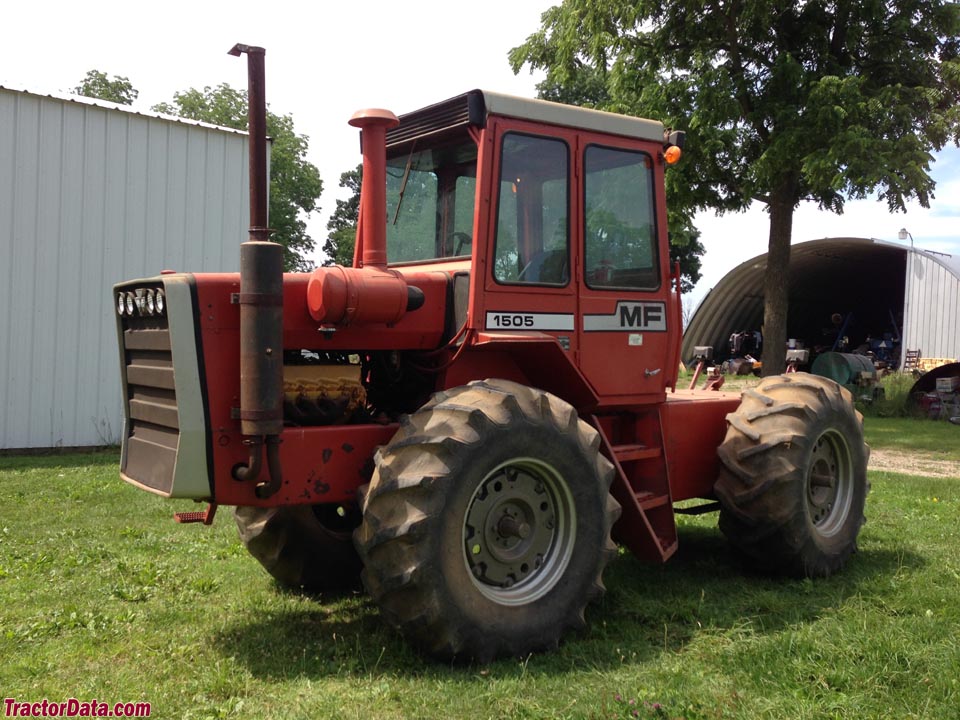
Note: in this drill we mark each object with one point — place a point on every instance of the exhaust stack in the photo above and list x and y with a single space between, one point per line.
261 301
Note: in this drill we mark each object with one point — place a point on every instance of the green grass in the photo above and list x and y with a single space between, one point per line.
894 402
933 438
104 596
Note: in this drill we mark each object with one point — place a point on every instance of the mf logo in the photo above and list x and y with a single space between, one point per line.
641 315
629 316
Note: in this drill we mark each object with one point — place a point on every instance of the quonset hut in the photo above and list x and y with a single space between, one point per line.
881 287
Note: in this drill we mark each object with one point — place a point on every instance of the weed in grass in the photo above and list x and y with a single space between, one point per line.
134 533
203 586
629 707
893 399
58 622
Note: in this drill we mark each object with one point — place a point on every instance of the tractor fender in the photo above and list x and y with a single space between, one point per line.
534 359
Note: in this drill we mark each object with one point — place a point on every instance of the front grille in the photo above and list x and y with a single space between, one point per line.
153 423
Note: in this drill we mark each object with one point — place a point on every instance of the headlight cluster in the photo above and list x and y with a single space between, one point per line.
146 302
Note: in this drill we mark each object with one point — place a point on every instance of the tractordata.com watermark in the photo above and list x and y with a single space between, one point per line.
75 708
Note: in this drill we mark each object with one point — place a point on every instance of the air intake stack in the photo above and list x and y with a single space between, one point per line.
369 293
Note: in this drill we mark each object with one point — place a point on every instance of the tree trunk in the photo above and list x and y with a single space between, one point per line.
777 280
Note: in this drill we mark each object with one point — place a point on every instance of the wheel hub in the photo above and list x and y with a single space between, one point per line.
829 482
518 531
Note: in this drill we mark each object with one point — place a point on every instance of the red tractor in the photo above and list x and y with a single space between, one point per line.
474 413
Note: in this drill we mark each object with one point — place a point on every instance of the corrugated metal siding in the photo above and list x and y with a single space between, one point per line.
932 318
89 197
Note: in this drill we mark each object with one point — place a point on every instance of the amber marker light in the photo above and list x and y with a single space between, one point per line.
672 154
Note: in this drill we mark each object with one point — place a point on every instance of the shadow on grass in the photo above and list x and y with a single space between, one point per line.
647 611
706 588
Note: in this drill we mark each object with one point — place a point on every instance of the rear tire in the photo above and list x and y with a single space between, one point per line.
793 478
486 526
303 546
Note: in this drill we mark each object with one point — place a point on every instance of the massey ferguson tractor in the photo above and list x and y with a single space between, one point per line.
474 415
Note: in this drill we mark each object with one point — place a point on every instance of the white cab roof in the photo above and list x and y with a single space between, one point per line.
572 116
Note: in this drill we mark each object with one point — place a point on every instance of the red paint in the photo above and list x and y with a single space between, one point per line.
320 465
373 200
694 425
356 296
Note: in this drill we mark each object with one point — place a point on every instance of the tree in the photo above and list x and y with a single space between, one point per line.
343 223
783 102
96 84
686 249
295 184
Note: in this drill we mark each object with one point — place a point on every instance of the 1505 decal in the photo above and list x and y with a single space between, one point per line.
506 320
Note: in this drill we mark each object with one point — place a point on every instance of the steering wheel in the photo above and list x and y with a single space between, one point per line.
462 239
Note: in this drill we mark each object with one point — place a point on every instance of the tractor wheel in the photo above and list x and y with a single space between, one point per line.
303 546
486 526
793 475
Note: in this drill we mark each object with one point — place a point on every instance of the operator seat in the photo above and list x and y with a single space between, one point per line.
548 267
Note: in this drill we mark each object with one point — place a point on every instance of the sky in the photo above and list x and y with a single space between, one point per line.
326 60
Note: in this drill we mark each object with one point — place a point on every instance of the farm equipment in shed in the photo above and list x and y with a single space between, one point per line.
474 412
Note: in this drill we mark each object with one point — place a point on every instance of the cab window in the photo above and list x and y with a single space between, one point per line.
532 234
430 199
620 233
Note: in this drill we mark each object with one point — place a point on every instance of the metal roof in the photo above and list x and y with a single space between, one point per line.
473 107
107 105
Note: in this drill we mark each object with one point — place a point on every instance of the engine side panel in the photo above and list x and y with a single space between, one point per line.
320 464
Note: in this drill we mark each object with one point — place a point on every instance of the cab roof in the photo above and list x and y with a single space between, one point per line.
474 107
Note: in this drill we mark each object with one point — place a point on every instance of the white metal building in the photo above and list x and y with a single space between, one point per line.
92 193
932 304
882 286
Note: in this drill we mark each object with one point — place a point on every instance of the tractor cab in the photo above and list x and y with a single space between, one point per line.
560 212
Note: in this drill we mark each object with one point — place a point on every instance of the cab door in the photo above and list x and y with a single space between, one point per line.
624 322
528 284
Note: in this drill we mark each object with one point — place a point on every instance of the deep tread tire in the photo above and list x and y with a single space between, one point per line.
443 473
302 546
793 476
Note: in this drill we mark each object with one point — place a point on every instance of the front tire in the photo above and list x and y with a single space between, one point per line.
486 526
793 477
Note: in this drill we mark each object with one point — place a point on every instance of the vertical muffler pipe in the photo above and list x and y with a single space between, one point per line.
261 302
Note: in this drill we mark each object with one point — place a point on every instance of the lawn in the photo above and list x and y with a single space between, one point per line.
934 438
103 596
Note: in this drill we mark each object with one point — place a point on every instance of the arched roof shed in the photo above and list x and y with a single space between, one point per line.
883 287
